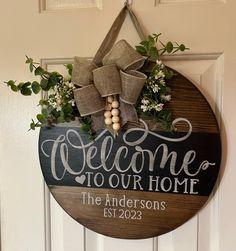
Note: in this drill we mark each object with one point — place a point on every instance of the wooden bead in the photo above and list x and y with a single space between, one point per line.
110 99
108 121
107 114
116 126
115 112
108 107
115 119
115 104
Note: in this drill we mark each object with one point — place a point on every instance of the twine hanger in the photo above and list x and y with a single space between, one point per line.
128 2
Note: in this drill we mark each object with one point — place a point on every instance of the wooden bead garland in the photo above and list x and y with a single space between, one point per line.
112 112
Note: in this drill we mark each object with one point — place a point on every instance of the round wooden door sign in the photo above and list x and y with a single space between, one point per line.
142 183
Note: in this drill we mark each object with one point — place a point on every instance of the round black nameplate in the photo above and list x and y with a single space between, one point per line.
143 183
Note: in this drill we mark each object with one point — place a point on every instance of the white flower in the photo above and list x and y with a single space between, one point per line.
71 85
159 62
162 82
145 102
54 105
161 74
144 108
155 88
72 102
166 97
58 108
58 101
159 107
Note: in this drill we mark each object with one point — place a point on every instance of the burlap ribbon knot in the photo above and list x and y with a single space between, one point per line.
118 75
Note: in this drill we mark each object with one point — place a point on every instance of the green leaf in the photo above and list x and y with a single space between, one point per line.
145 43
67 109
20 85
86 127
45 112
14 88
26 85
43 102
10 83
69 67
168 73
35 87
52 80
29 60
39 71
169 47
92 136
32 125
31 67
141 50
61 119
41 118
182 47
151 41
26 91
44 84
86 120
153 54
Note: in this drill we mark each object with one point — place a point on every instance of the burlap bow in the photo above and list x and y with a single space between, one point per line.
117 76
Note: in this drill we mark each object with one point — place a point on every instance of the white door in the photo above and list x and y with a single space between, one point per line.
30 219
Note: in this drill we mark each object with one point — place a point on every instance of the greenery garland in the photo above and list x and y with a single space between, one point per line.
59 105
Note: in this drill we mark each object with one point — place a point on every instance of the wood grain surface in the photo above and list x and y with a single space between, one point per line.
154 222
134 213
188 102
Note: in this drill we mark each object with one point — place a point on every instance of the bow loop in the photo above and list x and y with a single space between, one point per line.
124 56
82 74
89 100
132 85
118 76
107 80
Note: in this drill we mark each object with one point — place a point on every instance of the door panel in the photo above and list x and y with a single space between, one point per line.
30 218
66 234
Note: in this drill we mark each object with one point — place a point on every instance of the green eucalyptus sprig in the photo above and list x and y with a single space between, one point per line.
58 105
153 48
48 80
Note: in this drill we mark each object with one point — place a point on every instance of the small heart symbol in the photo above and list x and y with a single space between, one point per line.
80 179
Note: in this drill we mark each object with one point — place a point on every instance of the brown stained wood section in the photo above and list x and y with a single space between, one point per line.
146 214
188 102
153 222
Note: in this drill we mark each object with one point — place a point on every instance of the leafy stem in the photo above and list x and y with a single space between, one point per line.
153 47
